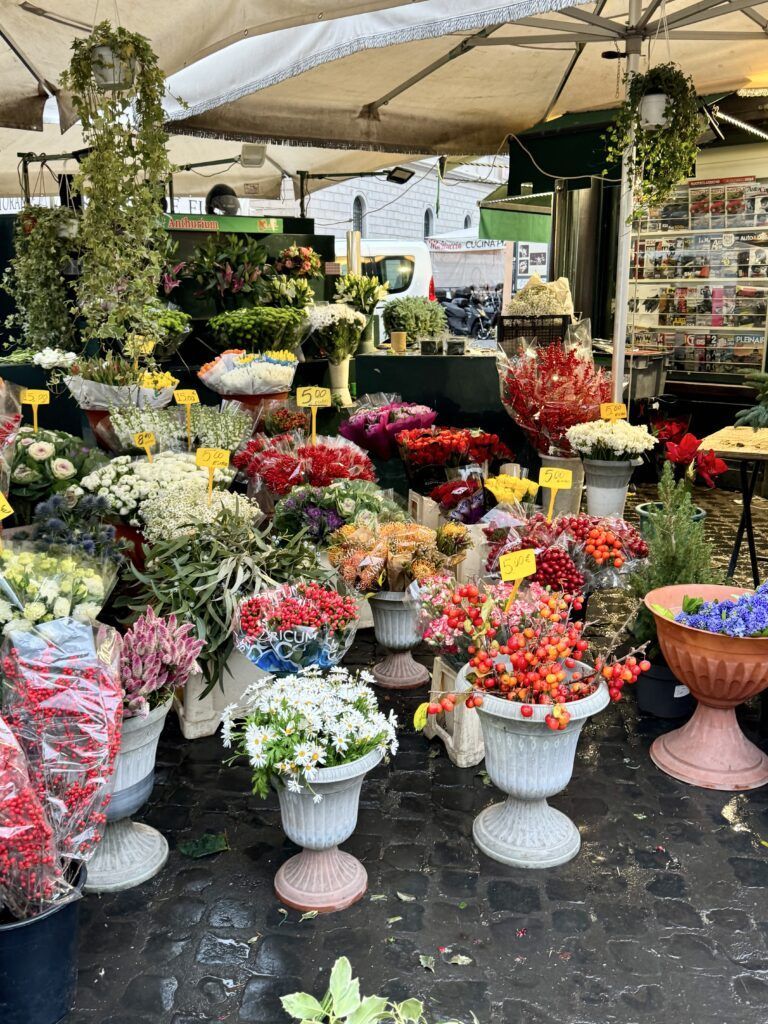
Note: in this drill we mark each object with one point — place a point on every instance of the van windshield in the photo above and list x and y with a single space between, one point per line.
396 271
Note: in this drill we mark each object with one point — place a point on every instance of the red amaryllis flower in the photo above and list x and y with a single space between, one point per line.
708 466
670 430
685 452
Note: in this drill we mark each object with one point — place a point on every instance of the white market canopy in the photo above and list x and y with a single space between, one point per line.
36 38
454 77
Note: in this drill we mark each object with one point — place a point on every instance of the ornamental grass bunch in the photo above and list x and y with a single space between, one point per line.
292 727
157 657
548 389
610 440
745 615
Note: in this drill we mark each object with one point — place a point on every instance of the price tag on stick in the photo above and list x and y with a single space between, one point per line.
187 398
5 511
313 398
516 565
555 480
613 411
35 398
145 439
211 459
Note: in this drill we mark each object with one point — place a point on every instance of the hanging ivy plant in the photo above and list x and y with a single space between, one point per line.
34 278
122 178
662 156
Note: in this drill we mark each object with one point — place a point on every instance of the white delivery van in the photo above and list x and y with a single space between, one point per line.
405 264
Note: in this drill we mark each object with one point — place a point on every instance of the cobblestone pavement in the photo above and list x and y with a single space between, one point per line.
662 917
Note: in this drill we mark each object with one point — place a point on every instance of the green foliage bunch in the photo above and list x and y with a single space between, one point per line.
34 278
662 157
678 551
757 415
123 178
258 328
417 316
361 292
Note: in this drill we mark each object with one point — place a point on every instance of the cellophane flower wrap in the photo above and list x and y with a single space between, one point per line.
296 626
157 657
237 372
282 416
323 510
285 461
290 728
610 440
47 462
62 700
40 583
377 419
91 394
548 389
462 500
449 446
10 418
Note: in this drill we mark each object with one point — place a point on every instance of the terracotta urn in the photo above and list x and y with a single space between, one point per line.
721 672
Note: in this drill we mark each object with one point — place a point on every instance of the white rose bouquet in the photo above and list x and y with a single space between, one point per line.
610 440
294 726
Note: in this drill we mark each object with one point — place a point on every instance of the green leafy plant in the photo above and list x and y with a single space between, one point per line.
111 369
361 292
123 177
201 579
678 552
661 157
171 327
343 1003
42 245
230 269
757 415
417 316
258 328
295 292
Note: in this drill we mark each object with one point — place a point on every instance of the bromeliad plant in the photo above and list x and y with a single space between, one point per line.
157 657
659 158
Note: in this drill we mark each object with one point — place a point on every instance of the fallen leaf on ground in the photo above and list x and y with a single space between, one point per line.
205 845
393 920
405 897
308 916
427 962
462 961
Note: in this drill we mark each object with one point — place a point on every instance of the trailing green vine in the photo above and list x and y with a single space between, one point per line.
123 179
662 157
42 244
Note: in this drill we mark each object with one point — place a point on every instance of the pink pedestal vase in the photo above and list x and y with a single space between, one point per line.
721 672
322 877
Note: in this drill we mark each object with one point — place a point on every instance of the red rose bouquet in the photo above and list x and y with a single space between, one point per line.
294 627
449 446
549 389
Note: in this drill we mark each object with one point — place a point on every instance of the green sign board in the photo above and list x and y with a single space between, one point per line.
209 222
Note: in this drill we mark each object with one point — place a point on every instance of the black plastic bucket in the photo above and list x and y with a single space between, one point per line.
659 692
38 964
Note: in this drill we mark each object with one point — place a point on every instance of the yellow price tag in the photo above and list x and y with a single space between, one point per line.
5 507
317 398
188 397
559 479
35 398
613 411
145 439
212 458
516 565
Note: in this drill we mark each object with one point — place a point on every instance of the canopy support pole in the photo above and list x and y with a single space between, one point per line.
624 253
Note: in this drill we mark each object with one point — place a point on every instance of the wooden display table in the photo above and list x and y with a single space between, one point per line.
749 447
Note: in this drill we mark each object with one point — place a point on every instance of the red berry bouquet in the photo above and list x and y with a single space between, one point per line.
378 419
548 389
62 701
283 462
555 567
604 549
294 627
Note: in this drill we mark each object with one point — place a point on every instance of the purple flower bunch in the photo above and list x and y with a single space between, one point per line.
157 657
742 616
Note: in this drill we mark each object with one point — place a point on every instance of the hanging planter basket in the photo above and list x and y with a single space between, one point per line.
111 71
653 107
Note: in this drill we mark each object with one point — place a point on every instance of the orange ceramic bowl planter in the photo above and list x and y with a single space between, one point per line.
721 672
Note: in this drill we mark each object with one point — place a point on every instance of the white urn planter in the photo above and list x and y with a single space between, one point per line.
567 502
129 852
322 877
529 762
607 484
396 627
339 374
653 107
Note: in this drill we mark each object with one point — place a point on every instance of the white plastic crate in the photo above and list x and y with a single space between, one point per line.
459 729
201 716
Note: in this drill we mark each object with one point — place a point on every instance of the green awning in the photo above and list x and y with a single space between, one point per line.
513 226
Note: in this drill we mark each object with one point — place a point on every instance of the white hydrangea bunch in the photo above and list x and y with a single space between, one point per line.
610 440
290 728
54 358
126 482
186 511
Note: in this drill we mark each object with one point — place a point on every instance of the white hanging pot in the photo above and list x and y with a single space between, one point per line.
653 108
111 72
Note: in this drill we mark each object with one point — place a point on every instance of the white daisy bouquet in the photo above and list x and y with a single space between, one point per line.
291 728
186 512
610 440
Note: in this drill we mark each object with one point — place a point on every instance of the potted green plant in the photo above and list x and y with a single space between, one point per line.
34 278
259 328
117 91
362 293
678 553
230 270
659 143
417 317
